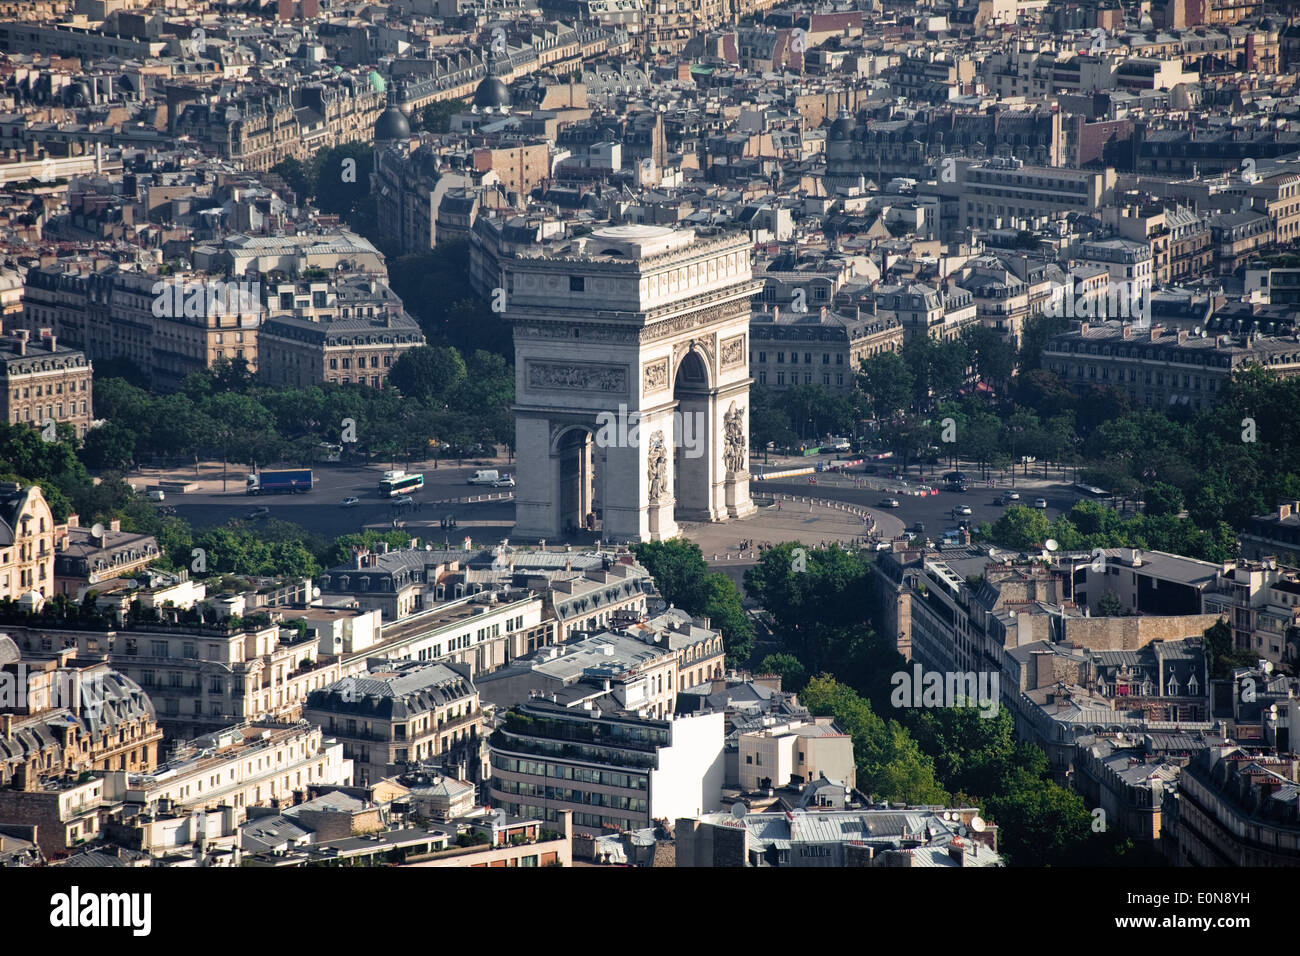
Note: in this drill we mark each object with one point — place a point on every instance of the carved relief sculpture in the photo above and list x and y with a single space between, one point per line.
586 378
733 352
655 376
657 467
733 455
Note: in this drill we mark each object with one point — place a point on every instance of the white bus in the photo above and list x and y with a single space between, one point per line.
393 487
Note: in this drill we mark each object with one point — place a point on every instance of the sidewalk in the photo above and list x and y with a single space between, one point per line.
811 524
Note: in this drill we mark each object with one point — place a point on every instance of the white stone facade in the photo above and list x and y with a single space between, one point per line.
649 326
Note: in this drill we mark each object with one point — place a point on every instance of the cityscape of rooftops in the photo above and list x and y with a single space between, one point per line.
606 434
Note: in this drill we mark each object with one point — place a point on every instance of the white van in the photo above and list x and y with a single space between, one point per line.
157 495
485 476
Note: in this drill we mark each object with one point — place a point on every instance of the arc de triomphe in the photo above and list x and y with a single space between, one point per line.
631 382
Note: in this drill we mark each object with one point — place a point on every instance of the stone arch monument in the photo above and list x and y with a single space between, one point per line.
632 381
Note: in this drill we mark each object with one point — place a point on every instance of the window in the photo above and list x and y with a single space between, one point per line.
577 284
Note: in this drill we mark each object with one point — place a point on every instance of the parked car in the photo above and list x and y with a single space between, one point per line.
1040 502
350 502
887 503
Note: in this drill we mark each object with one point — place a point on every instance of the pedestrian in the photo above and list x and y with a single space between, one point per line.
778 506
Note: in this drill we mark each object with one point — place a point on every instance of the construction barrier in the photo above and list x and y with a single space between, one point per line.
788 473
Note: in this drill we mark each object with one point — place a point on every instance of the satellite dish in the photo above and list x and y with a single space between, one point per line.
738 810
97 530
962 831
1268 667
1050 544
315 592
977 824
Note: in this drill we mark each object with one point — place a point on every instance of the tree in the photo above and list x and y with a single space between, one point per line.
339 551
489 390
973 754
1163 499
991 354
787 667
887 382
1041 822
343 177
109 446
300 177
1038 331
822 604
769 422
436 117
1221 654
1020 528
684 580
722 605
51 464
889 763
428 372
1108 605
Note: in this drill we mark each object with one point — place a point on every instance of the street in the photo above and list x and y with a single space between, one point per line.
934 510
320 510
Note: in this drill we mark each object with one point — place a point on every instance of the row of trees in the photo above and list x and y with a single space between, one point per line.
887 387
823 607
270 548
1236 457
433 395
1090 525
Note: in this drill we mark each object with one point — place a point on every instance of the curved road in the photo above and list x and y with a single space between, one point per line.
934 511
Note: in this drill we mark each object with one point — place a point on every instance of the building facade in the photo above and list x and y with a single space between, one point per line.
42 382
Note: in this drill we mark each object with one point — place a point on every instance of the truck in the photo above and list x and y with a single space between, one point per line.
295 481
